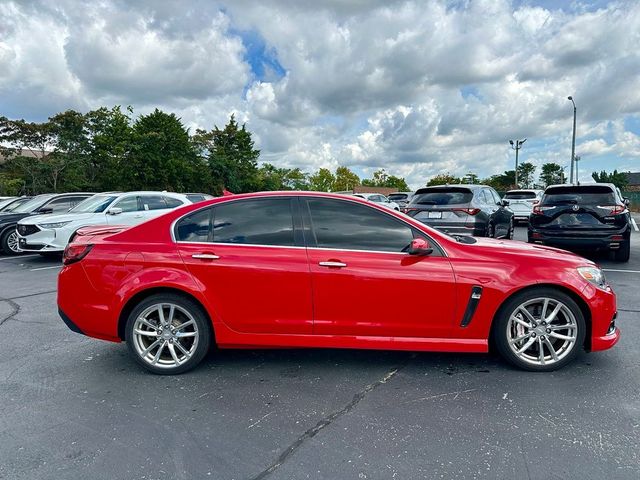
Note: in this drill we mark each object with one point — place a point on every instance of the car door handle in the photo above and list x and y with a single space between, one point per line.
332 264
205 256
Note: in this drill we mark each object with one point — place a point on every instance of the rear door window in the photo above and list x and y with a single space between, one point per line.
265 221
441 196
196 227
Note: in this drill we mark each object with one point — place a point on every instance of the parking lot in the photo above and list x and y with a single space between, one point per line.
75 407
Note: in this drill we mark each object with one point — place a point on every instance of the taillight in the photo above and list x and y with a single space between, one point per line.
468 211
537 210
75 252
614 209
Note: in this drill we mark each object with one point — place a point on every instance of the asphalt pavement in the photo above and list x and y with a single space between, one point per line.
78 408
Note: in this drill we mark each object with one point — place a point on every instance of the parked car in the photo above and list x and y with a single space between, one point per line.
401 198
48 234
583 217
40 204
306 269
463 210
521 203
379 199
11 203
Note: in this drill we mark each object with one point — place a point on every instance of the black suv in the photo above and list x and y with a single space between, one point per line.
462 210
38 205
583 217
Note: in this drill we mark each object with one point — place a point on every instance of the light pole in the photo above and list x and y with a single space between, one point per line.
517 145
573 140
576 159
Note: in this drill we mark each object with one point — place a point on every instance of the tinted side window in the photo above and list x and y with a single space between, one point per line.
266 221
128 204
153 202
195 227
346 225
173 202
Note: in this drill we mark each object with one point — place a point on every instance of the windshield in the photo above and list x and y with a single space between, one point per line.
442 196
95 204
594 195
519 195
33 204
11 205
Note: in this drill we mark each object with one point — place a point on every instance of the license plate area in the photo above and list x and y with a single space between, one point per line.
435 215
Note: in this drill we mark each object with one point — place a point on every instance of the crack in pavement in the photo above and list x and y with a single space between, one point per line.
628 310
29 295
328 420
14 307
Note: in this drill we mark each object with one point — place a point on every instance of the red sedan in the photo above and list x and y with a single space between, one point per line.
298 269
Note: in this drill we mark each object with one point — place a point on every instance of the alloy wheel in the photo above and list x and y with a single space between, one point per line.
542 331
165 335
12 242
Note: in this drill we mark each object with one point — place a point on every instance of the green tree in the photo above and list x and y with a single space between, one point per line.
443 179
345 179
551 174
322 181
110 137
525 174
162 156
381 179
233 158
502 181
619 179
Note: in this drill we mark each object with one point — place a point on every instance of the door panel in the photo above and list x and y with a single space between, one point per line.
254 289
247 255
362 282
382 294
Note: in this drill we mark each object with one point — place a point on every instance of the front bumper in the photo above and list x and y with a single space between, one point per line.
602 305
42 241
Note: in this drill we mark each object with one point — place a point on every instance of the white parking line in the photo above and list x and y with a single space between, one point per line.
621 271
19 257
44 268
635 225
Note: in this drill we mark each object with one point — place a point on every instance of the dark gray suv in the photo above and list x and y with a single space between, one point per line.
463 210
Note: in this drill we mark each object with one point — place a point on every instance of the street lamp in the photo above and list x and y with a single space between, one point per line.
517 145
576 159
573 140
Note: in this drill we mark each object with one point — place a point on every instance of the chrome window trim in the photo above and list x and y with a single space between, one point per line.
347 199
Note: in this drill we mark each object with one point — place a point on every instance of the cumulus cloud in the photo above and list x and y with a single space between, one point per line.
418 87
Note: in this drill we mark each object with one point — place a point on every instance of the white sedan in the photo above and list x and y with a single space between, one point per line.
379 199
48 234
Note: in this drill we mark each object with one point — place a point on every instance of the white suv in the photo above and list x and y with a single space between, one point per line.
51 233
521 202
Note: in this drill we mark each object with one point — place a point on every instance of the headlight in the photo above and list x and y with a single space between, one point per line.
53 225
593 275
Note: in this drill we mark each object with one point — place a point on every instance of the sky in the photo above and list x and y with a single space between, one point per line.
415 87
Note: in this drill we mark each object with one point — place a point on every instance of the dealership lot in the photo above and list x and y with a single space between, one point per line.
78 408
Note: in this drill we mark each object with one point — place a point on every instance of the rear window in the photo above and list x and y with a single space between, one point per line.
579 195
398 196
520 195
442 196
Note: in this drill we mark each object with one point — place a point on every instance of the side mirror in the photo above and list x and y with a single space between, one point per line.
419 246
114 211
45 210
504 203
626 201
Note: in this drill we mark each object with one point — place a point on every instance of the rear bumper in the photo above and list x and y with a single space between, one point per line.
587 240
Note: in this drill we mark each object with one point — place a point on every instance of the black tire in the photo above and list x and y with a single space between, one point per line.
511 230
501 325
490 231
623 253
4 241
197 313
